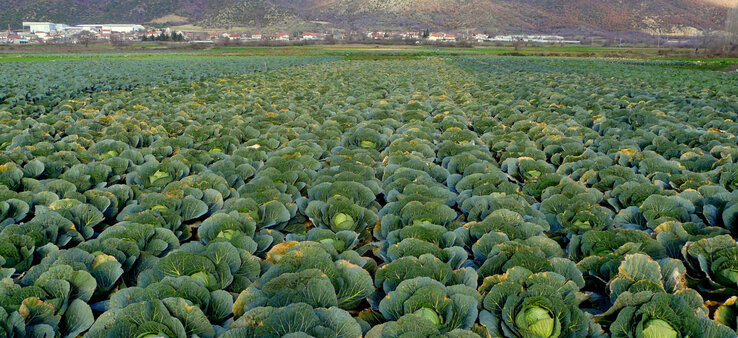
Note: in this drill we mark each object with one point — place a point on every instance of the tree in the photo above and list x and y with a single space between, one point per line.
116 40
731 25
85 37
516 44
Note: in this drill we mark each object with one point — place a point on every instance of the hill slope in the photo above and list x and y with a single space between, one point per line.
535 15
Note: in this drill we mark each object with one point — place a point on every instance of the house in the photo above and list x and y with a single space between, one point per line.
395 35
376 35
283 37
213 36
127 36
17 39
449 37
436 37
234 36
479 37
256 36
309 36
502 38
411 35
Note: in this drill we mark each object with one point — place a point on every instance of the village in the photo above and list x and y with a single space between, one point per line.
58 33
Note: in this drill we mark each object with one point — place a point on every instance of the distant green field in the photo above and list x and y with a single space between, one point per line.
672 58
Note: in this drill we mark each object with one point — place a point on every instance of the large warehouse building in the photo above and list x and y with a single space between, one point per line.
46 27
34 26
114 27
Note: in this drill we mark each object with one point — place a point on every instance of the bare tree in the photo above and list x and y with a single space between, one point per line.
116 40
85 37
706 34
731 25
516 44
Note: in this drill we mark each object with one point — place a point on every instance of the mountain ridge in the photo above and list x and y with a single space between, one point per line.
489 15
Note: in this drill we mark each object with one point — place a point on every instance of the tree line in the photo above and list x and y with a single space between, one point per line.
164 37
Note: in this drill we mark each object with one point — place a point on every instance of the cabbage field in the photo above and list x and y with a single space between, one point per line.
409 197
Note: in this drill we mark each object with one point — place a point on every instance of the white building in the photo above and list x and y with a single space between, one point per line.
309 36
89 28
442 37
34 26
533 38
436 36
411 35
113 27
123 28
480 37
73 30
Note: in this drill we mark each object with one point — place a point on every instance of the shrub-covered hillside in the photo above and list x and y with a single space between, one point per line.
446 197
656 17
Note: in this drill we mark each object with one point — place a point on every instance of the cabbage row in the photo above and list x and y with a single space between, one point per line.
33 88
468 197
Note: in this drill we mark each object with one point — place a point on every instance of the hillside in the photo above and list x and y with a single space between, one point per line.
530 15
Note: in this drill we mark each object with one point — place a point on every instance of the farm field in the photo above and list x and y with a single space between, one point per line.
367 194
